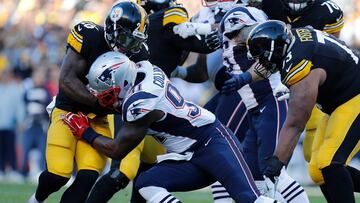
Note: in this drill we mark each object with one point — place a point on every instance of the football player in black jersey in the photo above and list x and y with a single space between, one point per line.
322 15
125 31
318 68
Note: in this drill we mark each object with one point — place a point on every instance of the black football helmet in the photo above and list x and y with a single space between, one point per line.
152 6
296 7
126 27
269 42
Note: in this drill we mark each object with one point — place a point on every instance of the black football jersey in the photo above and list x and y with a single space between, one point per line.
316 49
323 15
166 48
87 39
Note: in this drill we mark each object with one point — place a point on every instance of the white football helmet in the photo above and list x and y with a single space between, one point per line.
110 77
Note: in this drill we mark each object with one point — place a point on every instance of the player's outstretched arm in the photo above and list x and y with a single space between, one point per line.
73 68
301 102
129 136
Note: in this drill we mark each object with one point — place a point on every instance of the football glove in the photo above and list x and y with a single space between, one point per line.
235 82
273 168
281 92
213 40
78 123
188 29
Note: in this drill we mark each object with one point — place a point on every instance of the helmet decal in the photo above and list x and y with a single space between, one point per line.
106 75
116 14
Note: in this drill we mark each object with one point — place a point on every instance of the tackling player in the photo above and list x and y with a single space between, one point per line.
166 50
124 31
196 141
327 73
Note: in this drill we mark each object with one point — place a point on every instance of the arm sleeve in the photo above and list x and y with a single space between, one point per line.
138 105
335 20
175 16
79 37
296 70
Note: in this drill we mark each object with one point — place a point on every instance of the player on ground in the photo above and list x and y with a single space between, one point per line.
327 73
196 141
125 31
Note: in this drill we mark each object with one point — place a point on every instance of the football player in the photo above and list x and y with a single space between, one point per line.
195 140
317 68
322 15
230 111
124 31
166 50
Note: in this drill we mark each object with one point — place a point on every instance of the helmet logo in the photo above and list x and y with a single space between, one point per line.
116 14
106 75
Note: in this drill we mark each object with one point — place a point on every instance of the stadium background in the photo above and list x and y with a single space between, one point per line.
33 38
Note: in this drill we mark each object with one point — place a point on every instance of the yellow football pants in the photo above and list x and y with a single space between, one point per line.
310 130
337 139
146 151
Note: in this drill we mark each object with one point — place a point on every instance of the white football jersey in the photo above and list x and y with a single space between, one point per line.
183 122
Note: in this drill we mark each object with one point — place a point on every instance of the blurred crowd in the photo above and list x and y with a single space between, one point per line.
32 43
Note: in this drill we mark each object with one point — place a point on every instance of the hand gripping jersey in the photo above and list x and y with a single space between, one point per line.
313 49
87 39
235 59
184 123
323 15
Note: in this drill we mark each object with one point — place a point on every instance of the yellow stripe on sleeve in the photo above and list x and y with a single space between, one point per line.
176 16
298 73
74 43
334 27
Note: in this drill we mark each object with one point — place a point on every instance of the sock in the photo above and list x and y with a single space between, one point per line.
80 188
107 186
355 176
219 194
155 194
291 190
48 184
135 195
326 194
338 183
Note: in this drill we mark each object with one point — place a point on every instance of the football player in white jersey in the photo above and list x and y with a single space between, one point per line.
200 149
230 110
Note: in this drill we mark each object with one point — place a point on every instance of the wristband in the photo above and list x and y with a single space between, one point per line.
90 135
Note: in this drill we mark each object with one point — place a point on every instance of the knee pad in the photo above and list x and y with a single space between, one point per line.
315 174
49 183
80 188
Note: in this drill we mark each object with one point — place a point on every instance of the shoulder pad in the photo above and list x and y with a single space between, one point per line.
333 17
175 15
295 69
80 34
138 105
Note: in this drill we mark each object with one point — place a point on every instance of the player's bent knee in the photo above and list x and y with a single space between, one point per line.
315 174
49 183
115 178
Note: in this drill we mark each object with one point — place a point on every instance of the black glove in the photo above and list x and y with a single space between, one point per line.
273 168
213 40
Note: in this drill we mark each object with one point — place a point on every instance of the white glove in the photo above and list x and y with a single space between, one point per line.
188 29
179 72
281 92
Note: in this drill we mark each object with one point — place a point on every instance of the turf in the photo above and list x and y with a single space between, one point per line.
14 193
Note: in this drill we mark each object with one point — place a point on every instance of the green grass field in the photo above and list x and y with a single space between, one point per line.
17 193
